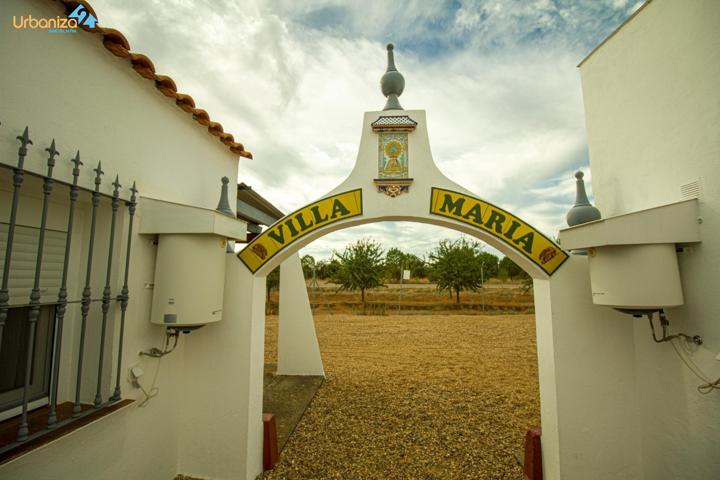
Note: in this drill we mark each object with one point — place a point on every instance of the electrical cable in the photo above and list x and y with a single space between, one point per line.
157 353
704 388
664 324
154 391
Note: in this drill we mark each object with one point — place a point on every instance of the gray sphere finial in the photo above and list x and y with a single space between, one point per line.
392 83
583 211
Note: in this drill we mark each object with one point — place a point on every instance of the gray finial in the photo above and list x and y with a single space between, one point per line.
117 185
98 172
52 154
392 83
22 151
582 211
224 203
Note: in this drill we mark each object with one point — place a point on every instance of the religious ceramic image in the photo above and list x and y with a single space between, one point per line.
393 155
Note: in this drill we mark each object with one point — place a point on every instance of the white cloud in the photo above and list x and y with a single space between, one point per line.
291 80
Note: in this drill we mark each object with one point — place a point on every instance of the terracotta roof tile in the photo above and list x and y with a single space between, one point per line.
166 85
117 44
201 116
238 148
185 102
215 129
143 65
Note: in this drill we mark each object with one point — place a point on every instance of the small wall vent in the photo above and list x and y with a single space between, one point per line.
690 190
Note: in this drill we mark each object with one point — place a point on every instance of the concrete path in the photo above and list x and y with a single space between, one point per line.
287 397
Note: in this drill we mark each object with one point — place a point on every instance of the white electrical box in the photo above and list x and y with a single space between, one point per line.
190 261
189 280
632 257
636 277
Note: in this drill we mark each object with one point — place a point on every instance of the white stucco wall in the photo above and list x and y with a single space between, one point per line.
70 88
587 396
652 107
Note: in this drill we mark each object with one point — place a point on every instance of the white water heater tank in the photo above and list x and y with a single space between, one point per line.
635 277
189 280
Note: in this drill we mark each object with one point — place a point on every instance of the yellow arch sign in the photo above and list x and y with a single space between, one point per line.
296 225
445 203
502 225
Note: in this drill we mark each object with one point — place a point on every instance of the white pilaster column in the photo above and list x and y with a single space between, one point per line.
222 431
298 349
588 395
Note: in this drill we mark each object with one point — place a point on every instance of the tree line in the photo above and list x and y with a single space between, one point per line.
453 265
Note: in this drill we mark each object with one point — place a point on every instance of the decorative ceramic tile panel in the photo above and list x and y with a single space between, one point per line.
393 155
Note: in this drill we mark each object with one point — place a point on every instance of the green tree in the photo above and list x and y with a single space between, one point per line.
510 269
272 282
490 264
308 265
393 259
396 261
360 267
527 283
418 267
455 266
327 268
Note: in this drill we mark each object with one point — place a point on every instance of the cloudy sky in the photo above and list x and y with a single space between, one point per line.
291 79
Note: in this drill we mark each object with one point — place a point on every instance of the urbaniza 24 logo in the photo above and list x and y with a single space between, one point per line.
79 16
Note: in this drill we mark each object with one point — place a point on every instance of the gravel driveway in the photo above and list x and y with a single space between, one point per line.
416 397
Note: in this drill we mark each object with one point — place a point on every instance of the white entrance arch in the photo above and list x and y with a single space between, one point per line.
426 195
396 179
363 200
422 193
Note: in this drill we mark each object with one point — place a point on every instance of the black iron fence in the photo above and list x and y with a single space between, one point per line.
33 306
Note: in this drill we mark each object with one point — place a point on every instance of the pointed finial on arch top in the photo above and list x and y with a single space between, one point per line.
391 58
392 82
583 211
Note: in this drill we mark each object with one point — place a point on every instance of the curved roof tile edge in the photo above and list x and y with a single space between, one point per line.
117 44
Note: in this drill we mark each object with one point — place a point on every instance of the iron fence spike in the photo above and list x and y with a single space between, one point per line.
76 161
117 185
25 137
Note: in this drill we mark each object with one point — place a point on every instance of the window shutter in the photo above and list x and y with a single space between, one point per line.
22 264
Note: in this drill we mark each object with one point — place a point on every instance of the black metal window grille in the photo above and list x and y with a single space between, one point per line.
13 357
38 324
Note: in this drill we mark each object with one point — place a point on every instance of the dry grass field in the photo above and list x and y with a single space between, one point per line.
418 298
416 397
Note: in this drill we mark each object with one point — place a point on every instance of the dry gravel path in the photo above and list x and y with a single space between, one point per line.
416 397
